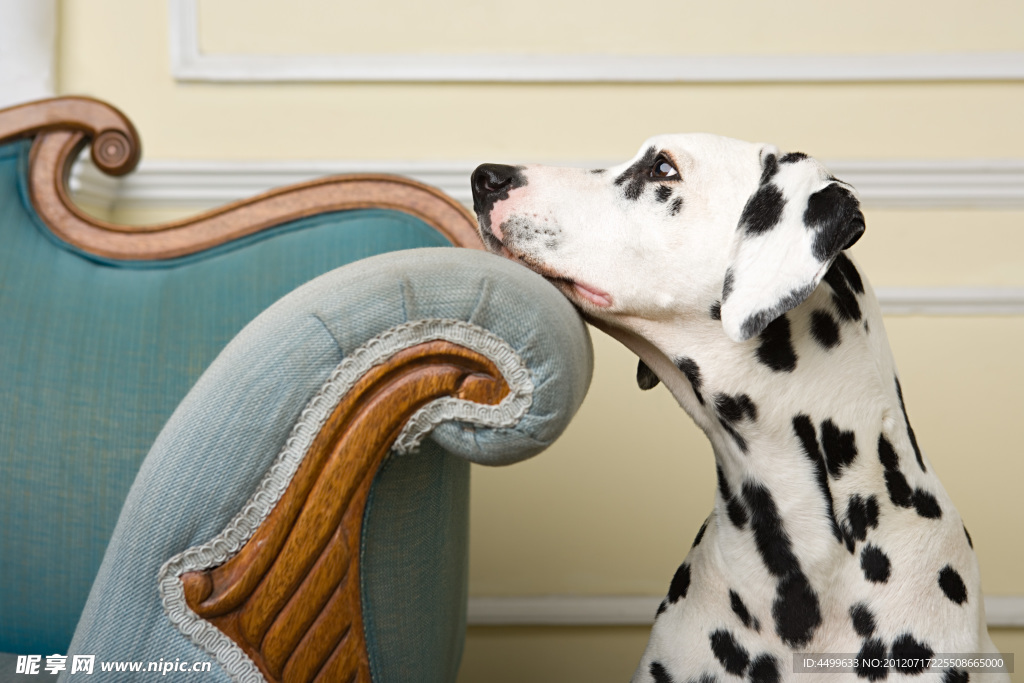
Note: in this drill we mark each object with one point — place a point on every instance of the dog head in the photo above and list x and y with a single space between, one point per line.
691 225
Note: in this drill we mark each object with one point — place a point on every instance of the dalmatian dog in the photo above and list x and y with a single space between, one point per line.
721 264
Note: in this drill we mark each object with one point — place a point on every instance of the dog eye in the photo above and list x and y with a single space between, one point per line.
663 168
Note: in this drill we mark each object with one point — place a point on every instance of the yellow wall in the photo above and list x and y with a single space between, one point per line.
118 49
612 508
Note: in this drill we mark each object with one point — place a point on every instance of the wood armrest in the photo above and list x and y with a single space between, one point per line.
290 598
63 126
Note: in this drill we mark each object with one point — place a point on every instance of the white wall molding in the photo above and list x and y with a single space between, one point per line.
198 185
979 184
1002 611
190 64
954 301
936 183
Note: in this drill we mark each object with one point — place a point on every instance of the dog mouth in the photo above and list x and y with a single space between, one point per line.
573 289
597 297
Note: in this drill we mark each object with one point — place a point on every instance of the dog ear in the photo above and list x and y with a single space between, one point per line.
645 377
791 230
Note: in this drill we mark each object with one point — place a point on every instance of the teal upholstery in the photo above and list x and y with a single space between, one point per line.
93 360
95 357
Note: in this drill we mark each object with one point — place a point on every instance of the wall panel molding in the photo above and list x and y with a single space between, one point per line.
189 63
198 185
907 184
951 301
1002 611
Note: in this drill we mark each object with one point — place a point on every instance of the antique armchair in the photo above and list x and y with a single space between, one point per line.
191 473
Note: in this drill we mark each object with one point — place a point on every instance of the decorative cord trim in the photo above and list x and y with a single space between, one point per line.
377 350
510 365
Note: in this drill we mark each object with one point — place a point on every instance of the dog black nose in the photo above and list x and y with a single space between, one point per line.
491 179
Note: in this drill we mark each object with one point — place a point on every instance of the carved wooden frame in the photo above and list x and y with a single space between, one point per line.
290 598
61 127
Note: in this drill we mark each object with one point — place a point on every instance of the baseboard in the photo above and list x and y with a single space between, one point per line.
1002 611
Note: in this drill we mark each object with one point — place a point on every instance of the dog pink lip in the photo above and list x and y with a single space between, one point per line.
593 295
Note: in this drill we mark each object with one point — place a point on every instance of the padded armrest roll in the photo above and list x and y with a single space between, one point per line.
210 465
515 304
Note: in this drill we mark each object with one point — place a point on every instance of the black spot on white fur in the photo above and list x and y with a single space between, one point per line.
716 310
662 193
689 368
870 661
737 514
926 504
875 564
849 273
840 448
676 207
910 430
844 293
635 177
704 678
861 515
727 285
729 653
659 674
741 611
835 216
763 210
824 329
770 537
731 411
680 583
955 676
796 610
776 347
805 432
909 654
700 534
899 490
952 585
736 408
793 157
863 620
764 669
770 168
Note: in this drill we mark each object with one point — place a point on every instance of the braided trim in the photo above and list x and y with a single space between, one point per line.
377 350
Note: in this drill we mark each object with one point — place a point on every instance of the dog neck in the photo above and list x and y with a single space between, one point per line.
806 421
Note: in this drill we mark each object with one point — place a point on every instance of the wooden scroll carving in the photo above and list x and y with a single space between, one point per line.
290 598
63 126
